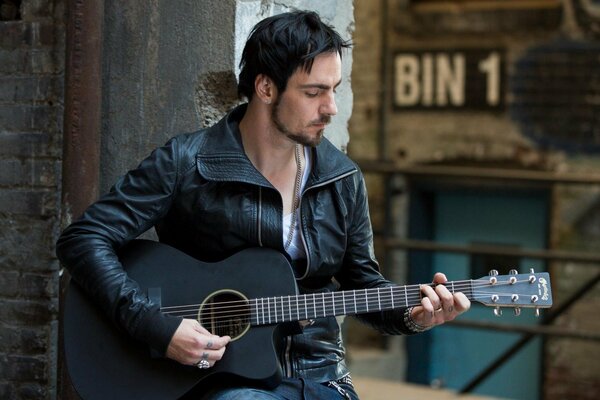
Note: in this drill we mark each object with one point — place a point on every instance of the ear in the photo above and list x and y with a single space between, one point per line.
264 89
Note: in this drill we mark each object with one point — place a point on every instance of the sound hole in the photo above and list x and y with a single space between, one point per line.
225 313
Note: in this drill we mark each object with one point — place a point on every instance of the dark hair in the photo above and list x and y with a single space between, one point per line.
279 45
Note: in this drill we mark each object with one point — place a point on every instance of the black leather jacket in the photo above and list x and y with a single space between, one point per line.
205 198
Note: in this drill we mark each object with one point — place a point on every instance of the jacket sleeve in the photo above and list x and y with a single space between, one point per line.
361 269
87 248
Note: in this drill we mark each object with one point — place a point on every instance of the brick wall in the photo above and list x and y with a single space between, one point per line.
31 79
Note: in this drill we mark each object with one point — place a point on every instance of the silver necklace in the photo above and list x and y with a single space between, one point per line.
296 199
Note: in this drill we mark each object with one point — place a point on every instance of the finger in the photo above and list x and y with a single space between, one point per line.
439 278
461 302
428 307
201 329
433 297
446 298
215 342
211 356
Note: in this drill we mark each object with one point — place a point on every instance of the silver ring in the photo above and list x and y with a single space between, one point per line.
203 364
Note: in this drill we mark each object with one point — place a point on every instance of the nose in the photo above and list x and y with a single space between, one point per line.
329 107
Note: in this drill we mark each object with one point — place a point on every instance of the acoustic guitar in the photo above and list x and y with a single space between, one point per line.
252 297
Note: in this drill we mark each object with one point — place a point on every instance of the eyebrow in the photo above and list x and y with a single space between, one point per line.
319 85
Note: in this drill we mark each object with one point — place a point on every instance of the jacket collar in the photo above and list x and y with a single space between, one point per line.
221 156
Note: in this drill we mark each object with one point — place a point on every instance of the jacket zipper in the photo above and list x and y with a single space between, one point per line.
288 346
300 216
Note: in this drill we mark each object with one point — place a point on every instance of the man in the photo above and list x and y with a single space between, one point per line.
263 176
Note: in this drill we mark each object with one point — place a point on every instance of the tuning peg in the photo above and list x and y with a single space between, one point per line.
513 279
534 298
493 274
497 311
517 311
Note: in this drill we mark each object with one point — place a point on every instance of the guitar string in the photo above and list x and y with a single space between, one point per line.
224 325
350 293
248 317
318 311
457 287
318 306
306 299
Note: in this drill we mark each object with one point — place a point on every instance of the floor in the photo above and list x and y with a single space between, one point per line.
380 389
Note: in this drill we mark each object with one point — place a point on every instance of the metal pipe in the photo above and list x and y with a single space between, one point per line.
445 171
553 331
82 130
83 98
541 254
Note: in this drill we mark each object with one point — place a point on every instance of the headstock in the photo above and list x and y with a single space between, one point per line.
515 290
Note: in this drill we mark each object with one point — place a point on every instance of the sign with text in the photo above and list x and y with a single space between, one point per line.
449 79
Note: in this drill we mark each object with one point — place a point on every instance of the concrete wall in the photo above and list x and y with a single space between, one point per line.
172 69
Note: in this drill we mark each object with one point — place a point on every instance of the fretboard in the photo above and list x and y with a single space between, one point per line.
274 310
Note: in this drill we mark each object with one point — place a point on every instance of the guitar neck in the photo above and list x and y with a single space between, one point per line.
273 310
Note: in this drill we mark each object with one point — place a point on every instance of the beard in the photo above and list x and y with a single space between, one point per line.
301 137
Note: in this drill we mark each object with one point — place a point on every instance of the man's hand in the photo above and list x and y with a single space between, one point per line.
191 343
438 304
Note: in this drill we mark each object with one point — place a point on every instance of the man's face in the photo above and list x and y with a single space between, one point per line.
306 106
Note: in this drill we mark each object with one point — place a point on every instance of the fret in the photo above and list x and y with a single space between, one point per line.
297 308
378 299
392 296
333 303
305 308
406 296
269 307
314 306
272 308
344 302
366 301
355 309
282 310
256 313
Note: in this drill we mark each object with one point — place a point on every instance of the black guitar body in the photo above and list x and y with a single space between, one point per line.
105 364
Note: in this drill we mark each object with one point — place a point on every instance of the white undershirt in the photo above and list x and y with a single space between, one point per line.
296 249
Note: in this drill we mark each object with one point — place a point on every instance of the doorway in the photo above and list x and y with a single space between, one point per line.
451 357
